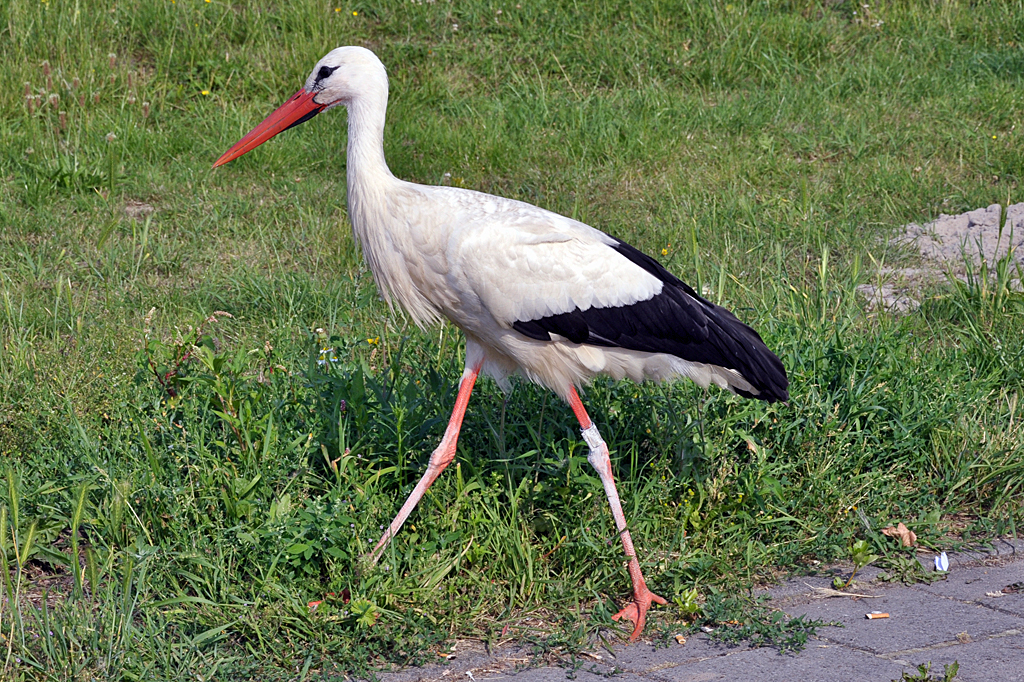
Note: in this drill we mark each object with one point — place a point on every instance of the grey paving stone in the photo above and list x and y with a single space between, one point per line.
1009 546
819 662
1002 547
803 588
1000 658
970 557
469 657
917 619
803 585
644 659
972 585
553 674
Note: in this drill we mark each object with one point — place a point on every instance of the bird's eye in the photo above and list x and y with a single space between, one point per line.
324 72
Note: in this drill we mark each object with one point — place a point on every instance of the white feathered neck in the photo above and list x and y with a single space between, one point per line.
378 204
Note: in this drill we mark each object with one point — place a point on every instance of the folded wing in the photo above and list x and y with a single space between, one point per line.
577 283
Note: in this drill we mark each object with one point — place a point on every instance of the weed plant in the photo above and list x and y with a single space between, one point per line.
207 415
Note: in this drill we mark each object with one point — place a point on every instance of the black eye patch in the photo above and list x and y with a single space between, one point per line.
324 72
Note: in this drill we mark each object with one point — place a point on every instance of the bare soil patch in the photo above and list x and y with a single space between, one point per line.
948 245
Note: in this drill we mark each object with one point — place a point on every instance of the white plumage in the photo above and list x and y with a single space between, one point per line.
535 293
485 262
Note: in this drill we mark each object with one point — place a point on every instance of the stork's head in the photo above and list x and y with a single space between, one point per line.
342 75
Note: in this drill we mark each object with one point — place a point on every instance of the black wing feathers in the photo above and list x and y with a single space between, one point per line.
678 321
570 325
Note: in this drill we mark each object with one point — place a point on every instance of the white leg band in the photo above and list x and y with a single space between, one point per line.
593 437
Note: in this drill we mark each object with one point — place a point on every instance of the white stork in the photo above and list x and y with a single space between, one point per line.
535 293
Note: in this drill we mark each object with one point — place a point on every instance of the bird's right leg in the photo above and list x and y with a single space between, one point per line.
636 611
439 459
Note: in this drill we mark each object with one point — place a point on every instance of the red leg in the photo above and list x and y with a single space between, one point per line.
439 459
598 458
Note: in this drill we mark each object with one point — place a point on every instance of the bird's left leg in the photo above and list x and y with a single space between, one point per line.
439 459
599 459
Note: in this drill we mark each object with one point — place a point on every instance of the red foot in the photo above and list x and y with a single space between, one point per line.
636 611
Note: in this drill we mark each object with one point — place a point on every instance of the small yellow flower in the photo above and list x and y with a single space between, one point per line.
337 9
664 252
355 14
204 92
993 137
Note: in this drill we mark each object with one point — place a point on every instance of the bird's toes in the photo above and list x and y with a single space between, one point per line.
631 612
636 611
639 619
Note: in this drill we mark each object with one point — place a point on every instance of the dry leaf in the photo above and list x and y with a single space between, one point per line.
906 536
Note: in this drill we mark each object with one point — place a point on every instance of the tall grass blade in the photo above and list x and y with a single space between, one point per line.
76 520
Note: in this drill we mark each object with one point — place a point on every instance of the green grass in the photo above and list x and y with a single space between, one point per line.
769 148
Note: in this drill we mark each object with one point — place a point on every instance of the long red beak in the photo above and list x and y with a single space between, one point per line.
299 108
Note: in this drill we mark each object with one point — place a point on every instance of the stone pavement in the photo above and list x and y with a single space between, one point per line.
955 619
